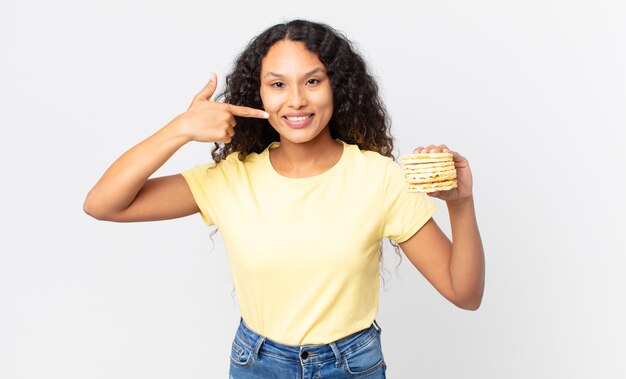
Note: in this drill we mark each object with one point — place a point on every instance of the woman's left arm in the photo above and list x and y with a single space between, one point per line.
456 269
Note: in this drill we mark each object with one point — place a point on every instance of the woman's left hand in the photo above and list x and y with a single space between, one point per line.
463 174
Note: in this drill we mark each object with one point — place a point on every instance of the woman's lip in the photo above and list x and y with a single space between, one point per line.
299 124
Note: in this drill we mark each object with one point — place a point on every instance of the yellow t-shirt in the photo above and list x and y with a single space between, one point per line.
304 252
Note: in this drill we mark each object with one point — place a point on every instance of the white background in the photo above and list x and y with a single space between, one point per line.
533 93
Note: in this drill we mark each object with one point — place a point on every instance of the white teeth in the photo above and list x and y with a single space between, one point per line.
298 118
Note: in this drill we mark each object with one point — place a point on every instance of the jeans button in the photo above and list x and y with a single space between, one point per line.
304 354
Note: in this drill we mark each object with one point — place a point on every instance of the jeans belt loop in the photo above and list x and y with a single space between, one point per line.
257 347
378 328
335 349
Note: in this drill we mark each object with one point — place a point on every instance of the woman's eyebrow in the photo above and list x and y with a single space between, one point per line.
314 71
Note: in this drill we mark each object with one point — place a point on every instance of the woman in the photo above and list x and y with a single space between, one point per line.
303 190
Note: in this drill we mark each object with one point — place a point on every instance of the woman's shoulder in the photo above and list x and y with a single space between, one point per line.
368 157
236 159
228 165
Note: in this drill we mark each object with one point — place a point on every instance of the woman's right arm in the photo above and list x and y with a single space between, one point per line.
125 193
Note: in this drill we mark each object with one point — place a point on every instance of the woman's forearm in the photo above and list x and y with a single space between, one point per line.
119 185
467 264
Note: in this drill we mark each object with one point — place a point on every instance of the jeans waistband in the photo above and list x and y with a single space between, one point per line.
310 353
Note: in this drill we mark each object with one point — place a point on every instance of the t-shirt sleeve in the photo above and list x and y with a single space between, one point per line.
204 184
404 212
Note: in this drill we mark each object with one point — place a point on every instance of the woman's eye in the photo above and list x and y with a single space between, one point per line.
277 85
313 81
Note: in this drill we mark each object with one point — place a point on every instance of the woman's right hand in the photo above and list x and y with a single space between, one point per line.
125 192
211 121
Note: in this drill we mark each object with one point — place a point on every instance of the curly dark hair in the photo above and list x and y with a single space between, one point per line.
359 115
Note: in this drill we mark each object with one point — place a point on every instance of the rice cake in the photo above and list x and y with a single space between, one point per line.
429 172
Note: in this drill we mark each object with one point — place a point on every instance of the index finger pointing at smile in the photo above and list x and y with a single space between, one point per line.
238 110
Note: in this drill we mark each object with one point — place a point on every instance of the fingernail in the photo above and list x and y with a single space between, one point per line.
266 115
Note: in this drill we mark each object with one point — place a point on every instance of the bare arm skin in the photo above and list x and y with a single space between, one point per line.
456 269
124 193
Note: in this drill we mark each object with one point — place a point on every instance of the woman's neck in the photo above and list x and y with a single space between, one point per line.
300 160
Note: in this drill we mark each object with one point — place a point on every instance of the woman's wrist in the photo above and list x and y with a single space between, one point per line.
460 203
176 131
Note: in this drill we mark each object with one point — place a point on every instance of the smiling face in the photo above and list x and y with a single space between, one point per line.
296 92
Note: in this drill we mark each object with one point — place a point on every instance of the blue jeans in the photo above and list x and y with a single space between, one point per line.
358 355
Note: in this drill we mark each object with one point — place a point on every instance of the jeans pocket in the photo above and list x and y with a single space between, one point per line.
366 359
240 354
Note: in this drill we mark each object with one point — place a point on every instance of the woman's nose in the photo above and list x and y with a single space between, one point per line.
297 98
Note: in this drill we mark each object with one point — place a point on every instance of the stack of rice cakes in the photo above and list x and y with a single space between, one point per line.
429 172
